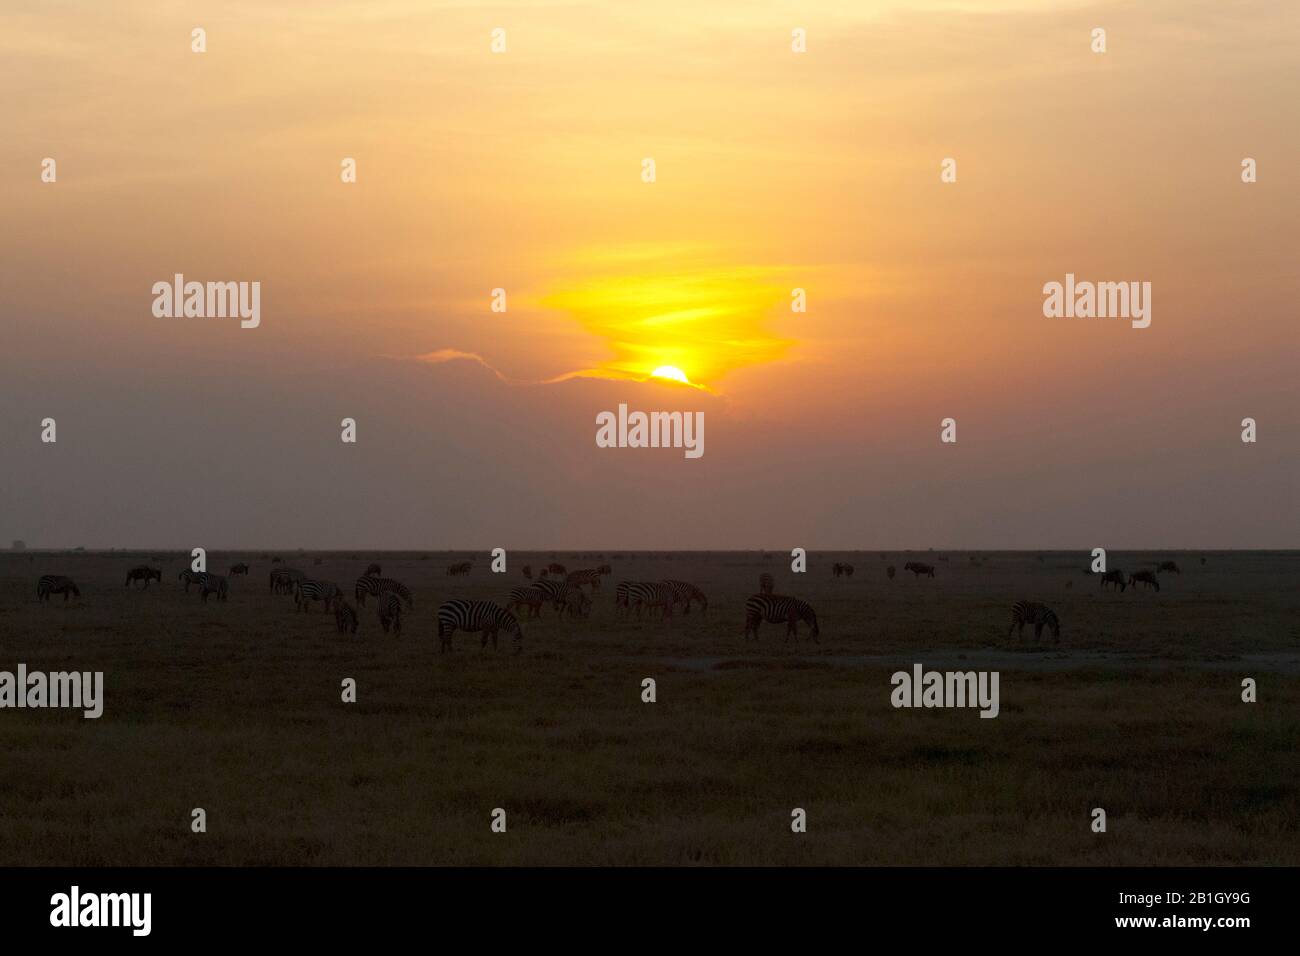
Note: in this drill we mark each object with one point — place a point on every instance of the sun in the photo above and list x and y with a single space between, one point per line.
671 372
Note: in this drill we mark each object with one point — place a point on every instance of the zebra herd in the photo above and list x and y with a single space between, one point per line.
564 591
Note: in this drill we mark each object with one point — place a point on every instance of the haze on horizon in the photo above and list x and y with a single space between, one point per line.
775 171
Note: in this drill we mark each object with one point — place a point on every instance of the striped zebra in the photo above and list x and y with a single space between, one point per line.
622 592
143 573
765 583
283 580
240 568
210 583
55 584
565 596
460 568
309 590
586 576
464 615
377 586
389 607
1115 577
1145 577
776 609
189 577
1039 615
531 597
684 593
648 595
373 571
919 568
1170 566
345 617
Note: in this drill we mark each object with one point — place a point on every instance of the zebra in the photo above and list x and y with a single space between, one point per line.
643 594
919 568
144 573
1115 577
556 568
373 571
377 586
309 590
1171 566
776 609
283 580
464 615
686 593
1039 615
534 597
586 576
1146 577
345 617
241 568
622 592
604 569
765 583
210 583
460 567
890 572
55 584
189 577
389 608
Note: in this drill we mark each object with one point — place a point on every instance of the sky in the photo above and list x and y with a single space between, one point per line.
774 170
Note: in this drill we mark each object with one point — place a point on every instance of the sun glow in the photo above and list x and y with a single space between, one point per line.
671 372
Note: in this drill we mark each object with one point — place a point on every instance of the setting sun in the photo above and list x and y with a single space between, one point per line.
672 372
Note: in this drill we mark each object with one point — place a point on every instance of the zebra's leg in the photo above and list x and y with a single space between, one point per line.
1038 631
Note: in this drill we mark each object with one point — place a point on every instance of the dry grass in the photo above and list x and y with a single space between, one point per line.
235 708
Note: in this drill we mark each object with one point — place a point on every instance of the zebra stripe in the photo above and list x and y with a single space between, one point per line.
776 609
685 593
533 597
308 591
375 586
644 594
345 617
389 607
485 616
1039 615
55 584
585 576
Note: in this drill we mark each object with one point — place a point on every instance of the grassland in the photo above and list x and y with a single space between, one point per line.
236 708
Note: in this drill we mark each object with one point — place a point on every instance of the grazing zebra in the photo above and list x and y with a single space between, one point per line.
890 572
460 567
55 584
309 590
556 568
622 592
1171 566
776 609
532 597
1039 615
210 583
765 583
189 577
389 607
919 568
643 594
241 568
1145 577
283 580
373 571
345 617
485 616
587 576
145 574
1115 577
377 586
686 593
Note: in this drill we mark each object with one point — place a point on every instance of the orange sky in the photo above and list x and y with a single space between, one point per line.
775 170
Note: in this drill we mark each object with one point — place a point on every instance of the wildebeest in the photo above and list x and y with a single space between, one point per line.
1170 566
1145 577
890 572
237 569
143 573
1115 577
919 568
